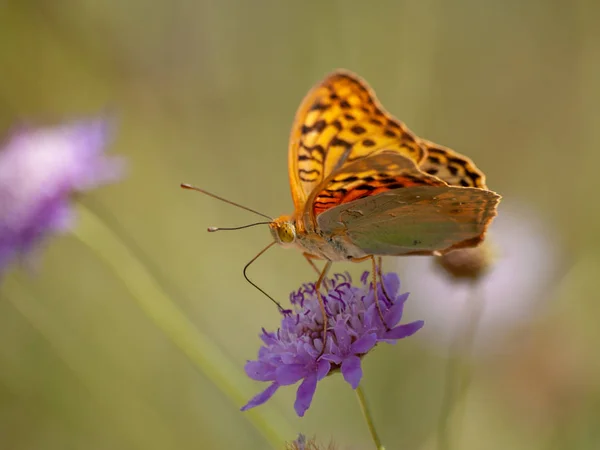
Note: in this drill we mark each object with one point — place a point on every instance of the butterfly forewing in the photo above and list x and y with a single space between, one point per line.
338 122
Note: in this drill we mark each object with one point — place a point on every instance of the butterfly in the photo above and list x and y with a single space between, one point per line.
364 185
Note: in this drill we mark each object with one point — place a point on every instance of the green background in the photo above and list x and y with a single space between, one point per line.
134 330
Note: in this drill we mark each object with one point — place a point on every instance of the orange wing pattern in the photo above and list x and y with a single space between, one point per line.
339 121
374 174
452 167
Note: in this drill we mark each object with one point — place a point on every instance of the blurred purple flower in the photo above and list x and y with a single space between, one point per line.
295 352
40 169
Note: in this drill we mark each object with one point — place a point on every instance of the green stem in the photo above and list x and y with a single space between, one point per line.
443 433
458 374
155 302
362 401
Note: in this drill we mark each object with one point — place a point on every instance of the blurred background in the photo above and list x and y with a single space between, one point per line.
134 330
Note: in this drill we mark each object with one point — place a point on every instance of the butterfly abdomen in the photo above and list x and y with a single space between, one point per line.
334 246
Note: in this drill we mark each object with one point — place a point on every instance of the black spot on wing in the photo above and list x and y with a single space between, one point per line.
366 187
395 186
368 143
357 129
318 126
318 106
337 142
316 148
309 175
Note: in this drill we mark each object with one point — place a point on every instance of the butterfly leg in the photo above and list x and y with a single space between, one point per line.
374 272
374 265
380 265
310 259
322 301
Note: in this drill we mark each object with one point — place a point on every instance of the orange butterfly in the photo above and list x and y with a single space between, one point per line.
364 185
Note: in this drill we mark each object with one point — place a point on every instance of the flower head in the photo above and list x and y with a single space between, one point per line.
296 350
39 171
302 443
467 263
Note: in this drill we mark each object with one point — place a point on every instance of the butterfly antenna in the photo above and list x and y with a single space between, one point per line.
213 229
253 284
194 188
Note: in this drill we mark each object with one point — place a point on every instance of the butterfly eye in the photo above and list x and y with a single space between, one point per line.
286 233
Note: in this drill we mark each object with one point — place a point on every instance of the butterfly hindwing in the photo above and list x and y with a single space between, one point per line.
339 121
385 205
452 167
415 220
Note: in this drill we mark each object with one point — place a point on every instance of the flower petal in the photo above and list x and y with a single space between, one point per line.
261 398
394 314
364 344
323 368
391 282
352 371
260 371
305 394
342 337
336 359
290 373
405 330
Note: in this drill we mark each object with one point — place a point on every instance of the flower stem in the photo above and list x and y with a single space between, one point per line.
458 374
368 418
154 300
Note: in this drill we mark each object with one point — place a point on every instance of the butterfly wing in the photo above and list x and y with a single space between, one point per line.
366 177
339 121
424 216
452 167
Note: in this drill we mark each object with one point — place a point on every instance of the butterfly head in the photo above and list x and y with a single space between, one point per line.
283 230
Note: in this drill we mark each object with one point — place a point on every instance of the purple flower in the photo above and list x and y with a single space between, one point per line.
40 169
296 351
302 443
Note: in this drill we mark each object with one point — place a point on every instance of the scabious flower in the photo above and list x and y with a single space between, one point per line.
302 443
40 170
296 350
